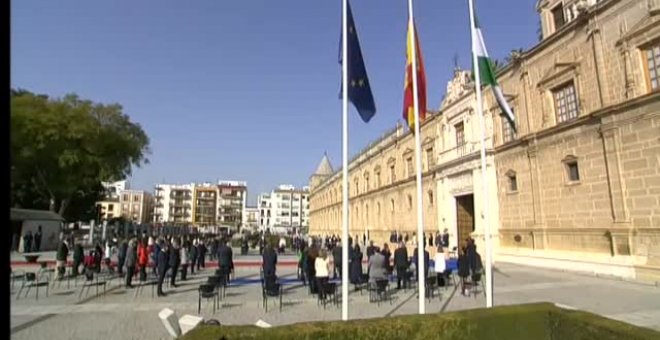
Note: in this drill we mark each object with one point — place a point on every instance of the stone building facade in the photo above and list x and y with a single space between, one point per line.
577 182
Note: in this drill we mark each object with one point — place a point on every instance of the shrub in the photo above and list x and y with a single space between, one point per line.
524 322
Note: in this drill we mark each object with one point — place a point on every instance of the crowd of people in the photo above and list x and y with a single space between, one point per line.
319 259
136 256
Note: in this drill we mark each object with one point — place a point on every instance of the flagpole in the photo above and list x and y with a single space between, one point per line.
484 209
344 151
421 279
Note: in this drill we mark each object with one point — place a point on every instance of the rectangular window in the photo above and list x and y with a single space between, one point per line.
573 171
111 207
430 160
378 179
460 134
652 57
513 183
558 16
409 166
125 197
136 197
392 174
566 105
508 134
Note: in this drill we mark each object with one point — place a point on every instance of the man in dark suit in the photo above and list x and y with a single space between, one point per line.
445 238
371 249
163 264
401 265
426 262
175 261
269 262
336 254
225 259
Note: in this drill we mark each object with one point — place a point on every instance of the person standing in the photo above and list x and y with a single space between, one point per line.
193 257
269 262
425 264
201 255
27 242
121 256
163 265
143 259
130 262
463 270
225 259
184 260
388 256
37 239
61 256
78 257
175 262
322 270
445 238
401 265
440 265
336 254
377 269
356 265
312 254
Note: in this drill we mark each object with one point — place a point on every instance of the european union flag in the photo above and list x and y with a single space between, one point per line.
359 90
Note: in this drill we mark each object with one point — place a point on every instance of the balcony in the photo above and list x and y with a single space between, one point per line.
180 204
459 152
177 213
180 196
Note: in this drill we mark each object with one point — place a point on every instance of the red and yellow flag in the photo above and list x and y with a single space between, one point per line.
408 103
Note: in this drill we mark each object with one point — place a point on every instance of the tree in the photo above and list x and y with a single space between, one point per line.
63 148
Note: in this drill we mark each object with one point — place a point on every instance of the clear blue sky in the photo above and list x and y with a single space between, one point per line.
244 90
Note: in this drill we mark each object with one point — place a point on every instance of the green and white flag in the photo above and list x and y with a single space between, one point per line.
487 72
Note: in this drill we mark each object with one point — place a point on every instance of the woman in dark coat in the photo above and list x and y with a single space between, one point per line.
312 254
463 269
356 265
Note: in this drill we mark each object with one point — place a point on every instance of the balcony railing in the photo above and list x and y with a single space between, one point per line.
460 151
180 196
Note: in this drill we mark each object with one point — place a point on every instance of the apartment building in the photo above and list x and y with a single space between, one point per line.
202 204
286 207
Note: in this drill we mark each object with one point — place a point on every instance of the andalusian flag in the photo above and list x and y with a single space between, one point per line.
408 103
487 72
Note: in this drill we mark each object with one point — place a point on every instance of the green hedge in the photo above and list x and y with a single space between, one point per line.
521 322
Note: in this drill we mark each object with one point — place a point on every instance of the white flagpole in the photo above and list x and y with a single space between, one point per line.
344 236
421 279
484 208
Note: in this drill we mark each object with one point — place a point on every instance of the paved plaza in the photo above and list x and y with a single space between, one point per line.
121 315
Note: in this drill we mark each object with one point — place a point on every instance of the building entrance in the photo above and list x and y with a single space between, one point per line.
464 217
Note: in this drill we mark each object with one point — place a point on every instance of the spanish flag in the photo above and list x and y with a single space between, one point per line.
408 103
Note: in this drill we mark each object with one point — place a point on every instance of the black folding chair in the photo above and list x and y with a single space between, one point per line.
207 291
33 280
431 285
270 288
379 291
329 290
91 281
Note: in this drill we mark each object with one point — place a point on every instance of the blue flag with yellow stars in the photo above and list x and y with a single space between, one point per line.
359 90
